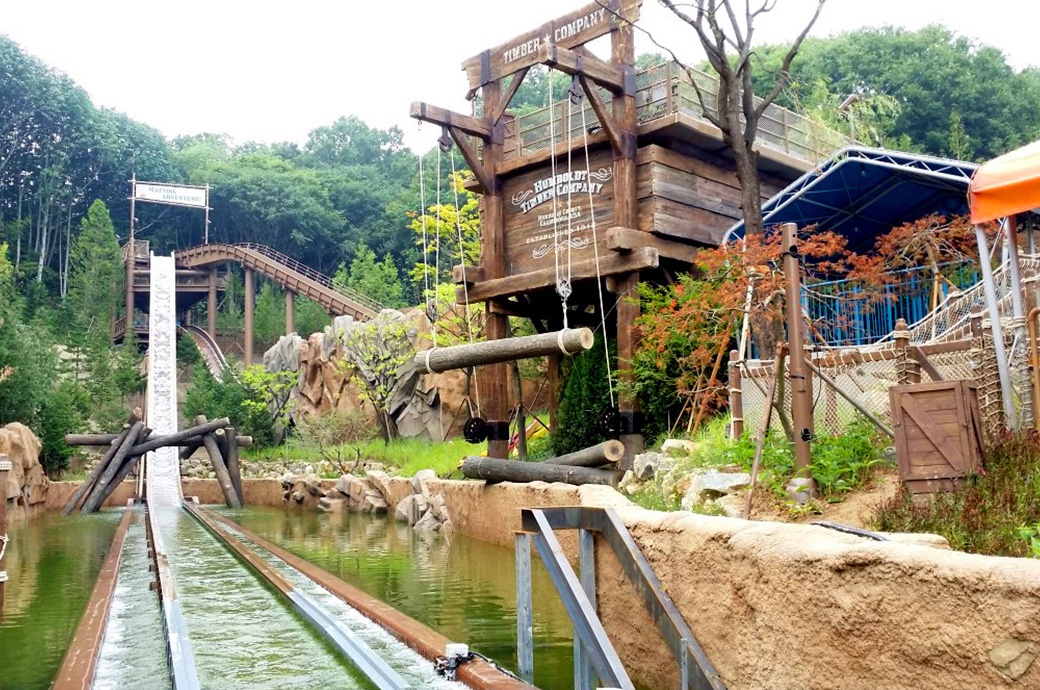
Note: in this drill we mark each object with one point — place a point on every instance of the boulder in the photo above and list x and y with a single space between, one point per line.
381 481
26 482
712 484
646 465
332 505
420 480
677 447
408 510
428 523
374 503
438 506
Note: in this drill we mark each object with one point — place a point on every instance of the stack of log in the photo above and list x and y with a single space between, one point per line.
594 465
126 449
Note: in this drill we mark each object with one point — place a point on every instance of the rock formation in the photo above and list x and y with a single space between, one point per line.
26 482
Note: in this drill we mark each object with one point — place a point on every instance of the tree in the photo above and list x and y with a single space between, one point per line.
932 73
95 274
737 114
377 279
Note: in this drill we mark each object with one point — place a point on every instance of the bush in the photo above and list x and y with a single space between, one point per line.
990 514
584 395
245 406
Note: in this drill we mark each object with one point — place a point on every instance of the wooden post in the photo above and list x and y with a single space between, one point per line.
94 500
5 467
248 317
626 214
290 312
211 304
736 397
219 468
800 376
232 463
907 369
130 259
494 378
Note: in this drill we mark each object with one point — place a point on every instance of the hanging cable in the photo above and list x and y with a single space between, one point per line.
563 288
462 260
430 313
595 252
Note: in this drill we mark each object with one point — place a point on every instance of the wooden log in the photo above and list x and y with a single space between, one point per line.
231 458
115 440
177 437
121 474
593 456
93 502
568 341
106 439
219 468
498 470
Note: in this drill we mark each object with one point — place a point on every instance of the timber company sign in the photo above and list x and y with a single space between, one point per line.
548 214
569 31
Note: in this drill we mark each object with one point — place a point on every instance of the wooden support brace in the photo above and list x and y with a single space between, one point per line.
467 275
499 470
598 455
485 178
500 108
603 112
568 341
922 359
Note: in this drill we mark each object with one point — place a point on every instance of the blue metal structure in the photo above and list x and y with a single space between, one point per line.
862 193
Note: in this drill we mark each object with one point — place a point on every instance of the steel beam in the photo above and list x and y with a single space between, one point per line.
524 608
584 679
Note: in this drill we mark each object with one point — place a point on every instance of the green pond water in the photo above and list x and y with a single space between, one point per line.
242 633
463 588
52 563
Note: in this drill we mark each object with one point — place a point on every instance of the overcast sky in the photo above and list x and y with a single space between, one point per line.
273 71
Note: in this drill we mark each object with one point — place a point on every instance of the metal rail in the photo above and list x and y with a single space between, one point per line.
178 645
341 637
696 670
287 272
210 350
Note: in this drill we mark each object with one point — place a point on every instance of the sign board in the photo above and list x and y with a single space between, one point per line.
175 195
549 214
569 31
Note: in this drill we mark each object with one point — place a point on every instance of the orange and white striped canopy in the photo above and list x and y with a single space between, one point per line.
1006 185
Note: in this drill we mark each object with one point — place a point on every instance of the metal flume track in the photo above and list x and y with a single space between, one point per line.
287 272
208 348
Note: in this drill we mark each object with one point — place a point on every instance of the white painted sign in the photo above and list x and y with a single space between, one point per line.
176 195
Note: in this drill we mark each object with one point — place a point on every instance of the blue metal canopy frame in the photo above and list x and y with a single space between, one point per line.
862 193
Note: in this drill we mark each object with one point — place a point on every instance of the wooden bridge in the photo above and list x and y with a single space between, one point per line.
199 276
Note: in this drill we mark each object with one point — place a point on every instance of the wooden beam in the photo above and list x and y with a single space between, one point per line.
473 274
586 65
487 180
446 118
569 341
569 31
603 113
625 240
637 260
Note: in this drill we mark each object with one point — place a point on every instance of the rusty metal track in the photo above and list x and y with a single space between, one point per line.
284 270
80 662
210 350
344 639
477 674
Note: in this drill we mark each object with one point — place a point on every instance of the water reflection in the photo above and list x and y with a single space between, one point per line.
461 587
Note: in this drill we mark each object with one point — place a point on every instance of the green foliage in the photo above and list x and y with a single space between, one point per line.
451 233
1031 535
373 353
95 275
377 279
584 394
842 463
931 73
254 401
992 513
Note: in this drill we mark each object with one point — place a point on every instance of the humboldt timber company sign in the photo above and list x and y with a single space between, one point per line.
569 31
550 214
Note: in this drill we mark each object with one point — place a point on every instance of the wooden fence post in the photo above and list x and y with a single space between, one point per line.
736 397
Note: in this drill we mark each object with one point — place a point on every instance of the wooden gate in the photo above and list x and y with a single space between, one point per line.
938 434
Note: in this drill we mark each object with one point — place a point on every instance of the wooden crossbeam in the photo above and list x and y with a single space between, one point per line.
585 64
447 118
604 113
486 180
625 240
474 274
614 262
507 95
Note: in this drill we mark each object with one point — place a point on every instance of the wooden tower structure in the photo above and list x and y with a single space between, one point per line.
620 180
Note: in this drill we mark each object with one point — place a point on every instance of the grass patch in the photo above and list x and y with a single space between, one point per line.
403 457
995 513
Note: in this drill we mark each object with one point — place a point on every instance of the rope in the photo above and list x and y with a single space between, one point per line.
462 260
595 252
562 289
3 544
437 253
426 263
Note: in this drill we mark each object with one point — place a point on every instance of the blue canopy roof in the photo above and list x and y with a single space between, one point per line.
862 193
